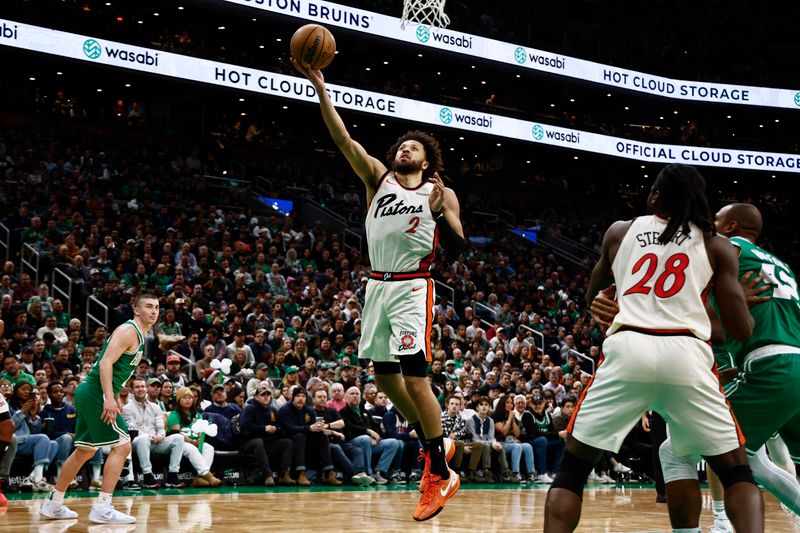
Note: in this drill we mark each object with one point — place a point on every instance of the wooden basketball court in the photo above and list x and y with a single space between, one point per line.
250 509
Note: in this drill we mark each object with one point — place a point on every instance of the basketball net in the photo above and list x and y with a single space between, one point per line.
427 12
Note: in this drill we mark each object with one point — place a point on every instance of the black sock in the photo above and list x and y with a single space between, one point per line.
438 463
417 426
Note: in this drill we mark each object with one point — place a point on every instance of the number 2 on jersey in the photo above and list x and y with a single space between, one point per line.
413 222
675 267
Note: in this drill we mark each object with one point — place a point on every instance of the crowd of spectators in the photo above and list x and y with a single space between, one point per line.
280 304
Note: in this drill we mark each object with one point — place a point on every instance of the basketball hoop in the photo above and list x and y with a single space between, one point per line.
426 12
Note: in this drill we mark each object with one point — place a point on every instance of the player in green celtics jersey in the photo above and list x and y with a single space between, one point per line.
764 391
100 421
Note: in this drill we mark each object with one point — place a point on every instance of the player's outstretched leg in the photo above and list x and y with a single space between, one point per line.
743 501
562 509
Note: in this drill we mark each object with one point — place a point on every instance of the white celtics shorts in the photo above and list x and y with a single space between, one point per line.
671 375
398 316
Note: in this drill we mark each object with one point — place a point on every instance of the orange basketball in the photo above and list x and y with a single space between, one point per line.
313 46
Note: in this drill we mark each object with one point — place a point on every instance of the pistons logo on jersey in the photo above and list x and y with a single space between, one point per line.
408 340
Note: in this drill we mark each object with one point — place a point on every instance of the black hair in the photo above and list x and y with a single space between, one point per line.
682 196
433 153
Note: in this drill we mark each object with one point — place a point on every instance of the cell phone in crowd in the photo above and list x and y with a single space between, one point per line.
319 420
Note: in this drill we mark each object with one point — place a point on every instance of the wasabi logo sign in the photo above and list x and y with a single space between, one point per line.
797 99
538 133
92 49
520 56
423 34
446 116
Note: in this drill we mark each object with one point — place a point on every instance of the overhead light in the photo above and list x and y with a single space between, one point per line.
760 125
642 166
385 62
99 90
382 125
155 14
438 73
552 105
576 157
465 87
627 108
220 27
286 107
472 66
528 161
59 73
419 55
32 79
241 99
773 175
609 94
571 99
735 181
355 125
461 138
254 20
243 113
261 46
646 176
662 118
278 39
140 22
674 112
127 85
519 76
729 116
368 69
498 144
777 120
180 8
452 149
483 82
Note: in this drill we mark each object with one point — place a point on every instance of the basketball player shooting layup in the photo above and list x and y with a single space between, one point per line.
656 353
410 210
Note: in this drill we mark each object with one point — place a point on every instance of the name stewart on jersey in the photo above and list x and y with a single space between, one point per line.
646 238
384 207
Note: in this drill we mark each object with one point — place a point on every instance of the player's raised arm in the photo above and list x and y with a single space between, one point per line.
124 339
368 168
727 291
447 213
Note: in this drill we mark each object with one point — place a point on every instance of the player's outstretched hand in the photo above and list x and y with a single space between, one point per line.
436 199
110 410
604 307
314 76
751 292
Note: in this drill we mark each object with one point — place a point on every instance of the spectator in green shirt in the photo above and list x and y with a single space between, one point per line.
12 371
159 279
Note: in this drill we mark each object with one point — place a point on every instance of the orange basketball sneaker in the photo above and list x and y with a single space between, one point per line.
436 494
449 452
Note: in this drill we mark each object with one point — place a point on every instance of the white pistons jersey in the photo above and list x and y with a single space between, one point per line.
662 287
401 232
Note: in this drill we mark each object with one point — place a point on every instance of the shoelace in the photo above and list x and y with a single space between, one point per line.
430 490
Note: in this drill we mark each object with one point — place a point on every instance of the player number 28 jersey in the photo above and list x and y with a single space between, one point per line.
661 287
401 232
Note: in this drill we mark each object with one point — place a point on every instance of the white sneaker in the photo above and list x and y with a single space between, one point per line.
594 478
721 526
605 478
42 486
362 478
621 468
56 511
543 478
106 514
26 483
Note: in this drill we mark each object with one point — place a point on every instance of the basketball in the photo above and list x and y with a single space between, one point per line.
313 46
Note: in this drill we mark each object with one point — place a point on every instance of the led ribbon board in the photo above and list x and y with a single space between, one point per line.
331 14
110 53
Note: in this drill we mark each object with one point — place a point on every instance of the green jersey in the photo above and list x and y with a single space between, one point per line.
777 321
123 367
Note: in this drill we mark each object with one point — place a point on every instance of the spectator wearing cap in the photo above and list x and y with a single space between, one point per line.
450 370
147 418
290 377
260 375
13 372
220 404
298 420
26 360
173 372
359 430
239 344
548 443
347 374
263 438
180 423
154 392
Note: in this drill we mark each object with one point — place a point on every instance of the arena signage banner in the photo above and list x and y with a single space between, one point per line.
331 14
105 52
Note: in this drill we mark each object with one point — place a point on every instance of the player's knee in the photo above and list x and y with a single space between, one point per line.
736 474
673 467
414 365
572 474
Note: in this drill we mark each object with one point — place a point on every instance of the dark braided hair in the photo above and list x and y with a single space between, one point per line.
682 196
433 153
